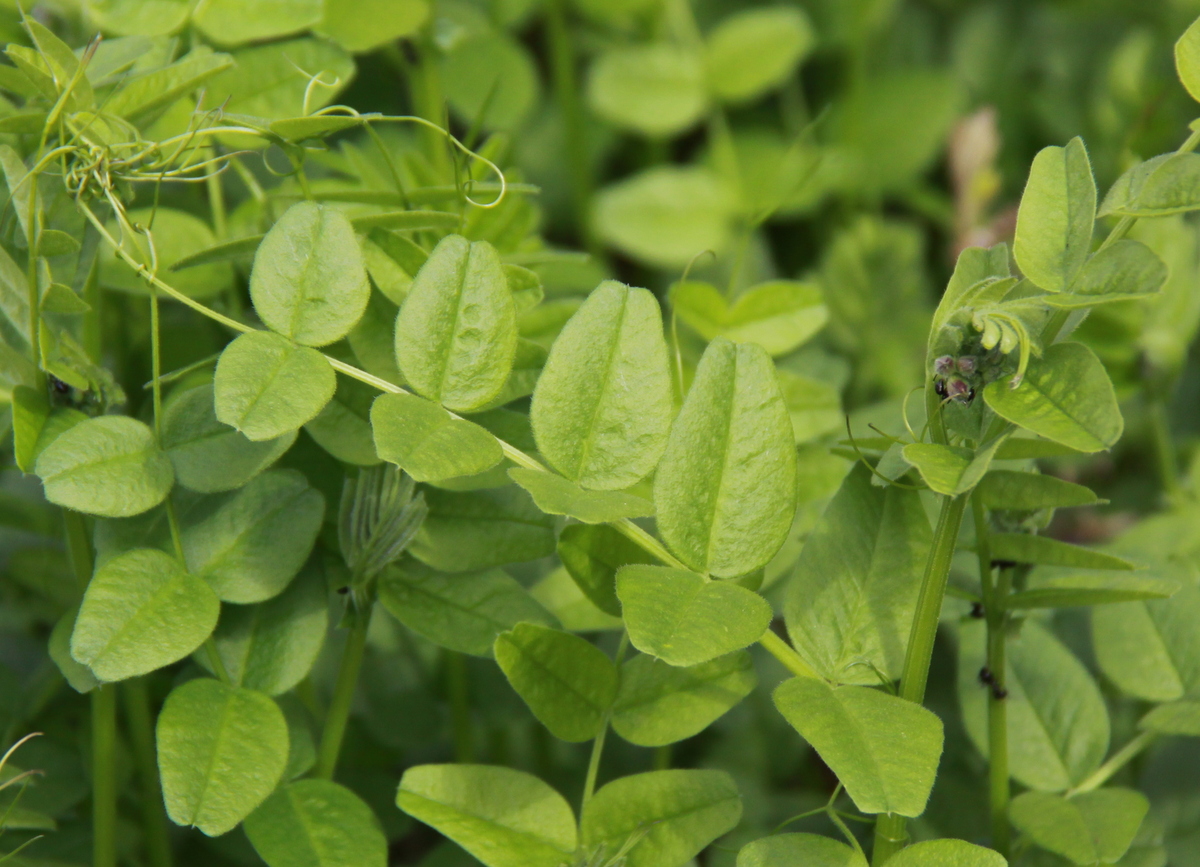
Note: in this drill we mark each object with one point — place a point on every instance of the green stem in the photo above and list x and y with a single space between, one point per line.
460 706
1120 759
891 831
1164 448
1000 790
215 662
782 651
104 775
566 91
343 693
589 783
141 736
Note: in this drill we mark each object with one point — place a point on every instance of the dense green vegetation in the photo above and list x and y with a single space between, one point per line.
600 433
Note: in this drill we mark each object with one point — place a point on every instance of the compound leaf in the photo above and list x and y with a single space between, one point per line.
427 442
1056 215
316 823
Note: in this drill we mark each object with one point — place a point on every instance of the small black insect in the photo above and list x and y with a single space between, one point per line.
977 610
940 388
999 694
343 590
986 676
1003 564
58 385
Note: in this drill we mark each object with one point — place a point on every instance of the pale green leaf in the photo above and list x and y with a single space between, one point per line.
109 466
209 456
602 408
248 544
568 683
755 50
1151 650
684 619
267 386
221 750
657 89
660 704
471 530
1058 726
1187 59
503 817
814 407
1163 185
429 444
1091 828
1024 548
462 612
316 823
555 495
490 79
725 489
947 853
144 96
779 315
367 24
1173 718
141 611
683 810
232 22
272 646
949 470
141 17
1066 396
456 334
30 414
850 602
309 282
884 749
1126 271
1056 216
593 554
1017 491
799 850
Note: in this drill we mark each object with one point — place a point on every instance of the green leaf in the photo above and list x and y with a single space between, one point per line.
660 704
1084 587
368 24
62 300
1058 726
1021 448
232 22
505 818
1126 271
1066 396
209 456
947 853
684 619
555 495
1187 59
1091 828
141 611
271 646
1163 185
471 530
226 251
949 470
725 490
683 811
109 466
884 749
814 407
30 413
427 442
1173 718
754 50
1017 491
799 850
593 554
176 235
1023 548
141 17
221 750
666 215
456 334
602 408
1151 650
143 97
656 89
266 386
490 79
779 315
568 683
309 282
561 596
850 603
1056 216
250 543
316 823
463 612
343 427
78 675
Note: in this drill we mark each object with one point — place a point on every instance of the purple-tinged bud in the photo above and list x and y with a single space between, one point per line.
956 389
966 364
943 364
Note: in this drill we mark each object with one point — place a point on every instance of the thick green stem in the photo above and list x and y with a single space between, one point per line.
1120 759
782 651
1000 790
459 694
104 776
141 736
566 91
343 693
891 831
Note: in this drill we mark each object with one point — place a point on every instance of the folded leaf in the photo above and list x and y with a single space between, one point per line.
427 442
949 470
1023 548
555 495
1162 185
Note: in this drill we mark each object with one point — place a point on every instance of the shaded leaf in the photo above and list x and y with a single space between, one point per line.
555 495
426 442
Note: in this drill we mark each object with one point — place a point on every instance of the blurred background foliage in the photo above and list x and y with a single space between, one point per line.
855 145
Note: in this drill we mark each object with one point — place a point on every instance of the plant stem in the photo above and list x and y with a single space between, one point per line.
998 785
141 736
891 831
104 775
1164 448
460 706
782 651
566 91
589 783
1120 759
343 692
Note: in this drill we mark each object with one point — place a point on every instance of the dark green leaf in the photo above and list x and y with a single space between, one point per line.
316 823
